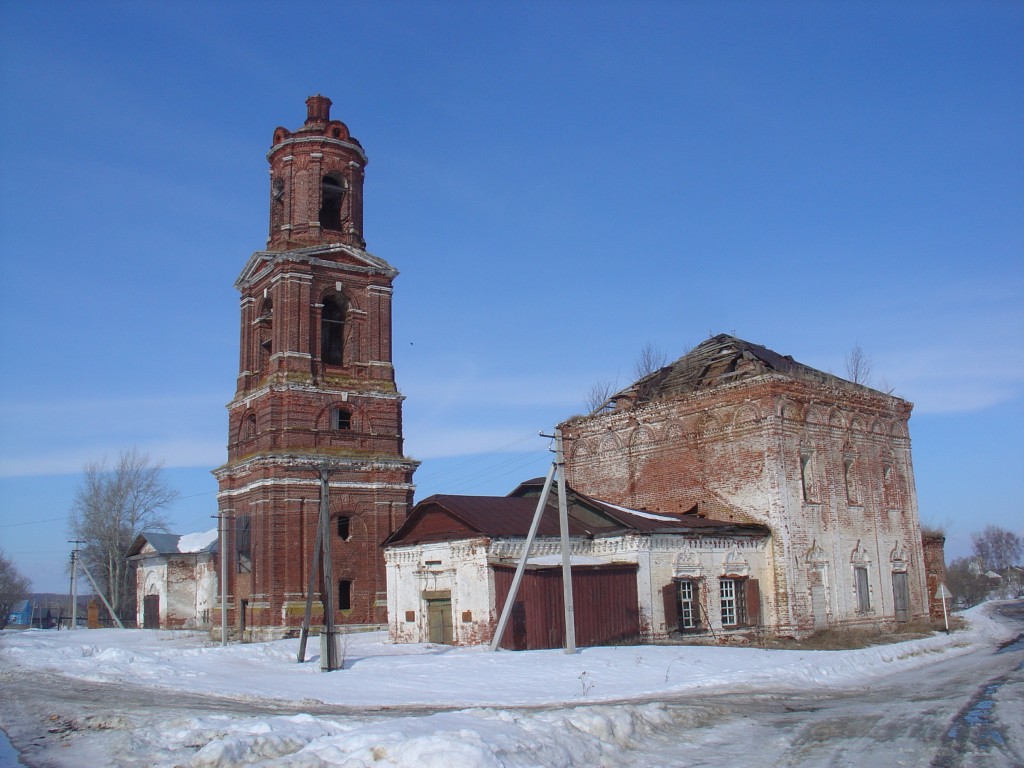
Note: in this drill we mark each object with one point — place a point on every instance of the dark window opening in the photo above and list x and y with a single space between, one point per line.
343 528
341 419
243 543
265 324
850 479
344 595
807 476
333 192
332 331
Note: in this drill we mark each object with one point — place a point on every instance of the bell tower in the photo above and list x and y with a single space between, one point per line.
315 395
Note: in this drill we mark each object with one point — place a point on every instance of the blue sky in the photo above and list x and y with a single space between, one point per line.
558 183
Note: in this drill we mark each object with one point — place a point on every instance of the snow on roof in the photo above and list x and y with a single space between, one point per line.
197 542
638 513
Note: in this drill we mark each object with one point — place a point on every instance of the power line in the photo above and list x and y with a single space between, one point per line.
33 522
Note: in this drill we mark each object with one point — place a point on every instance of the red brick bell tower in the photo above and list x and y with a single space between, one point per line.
316 391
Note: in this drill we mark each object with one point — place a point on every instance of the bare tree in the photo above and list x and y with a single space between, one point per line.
858 366
996 547
598 395
651 359
13 587
966 583
111 507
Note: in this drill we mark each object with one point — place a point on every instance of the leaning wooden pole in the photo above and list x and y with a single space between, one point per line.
506 610
314 563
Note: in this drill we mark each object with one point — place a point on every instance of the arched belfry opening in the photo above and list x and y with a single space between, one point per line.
332 195
265 323
332 330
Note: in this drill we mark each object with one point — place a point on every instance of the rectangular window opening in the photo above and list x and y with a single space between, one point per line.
728 602
343 527
863 595
341 419
689 610
345 595
243 543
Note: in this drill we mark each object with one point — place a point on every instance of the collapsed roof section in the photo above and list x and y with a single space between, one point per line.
720 361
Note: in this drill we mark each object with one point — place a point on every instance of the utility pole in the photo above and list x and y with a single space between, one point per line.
74 582
222 546
563 529
557 469
322 557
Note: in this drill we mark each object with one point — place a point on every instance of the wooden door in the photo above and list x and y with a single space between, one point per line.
439 621
151 612
901 596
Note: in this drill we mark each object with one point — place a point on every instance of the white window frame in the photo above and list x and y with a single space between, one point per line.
689 616
728 605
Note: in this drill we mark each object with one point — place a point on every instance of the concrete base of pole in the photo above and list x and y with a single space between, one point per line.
330 652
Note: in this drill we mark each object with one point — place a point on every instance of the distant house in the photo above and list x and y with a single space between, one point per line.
450 568
31 613
176 579
20 616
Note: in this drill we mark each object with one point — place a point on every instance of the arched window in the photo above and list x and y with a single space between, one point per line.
332 192
265 325
332 331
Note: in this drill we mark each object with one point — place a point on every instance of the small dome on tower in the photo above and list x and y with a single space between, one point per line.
318 109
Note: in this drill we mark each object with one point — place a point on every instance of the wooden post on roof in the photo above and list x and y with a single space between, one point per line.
563 527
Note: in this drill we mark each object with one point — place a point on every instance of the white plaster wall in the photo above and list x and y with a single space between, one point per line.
458 568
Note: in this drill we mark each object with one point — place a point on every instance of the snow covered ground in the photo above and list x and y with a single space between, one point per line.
481 694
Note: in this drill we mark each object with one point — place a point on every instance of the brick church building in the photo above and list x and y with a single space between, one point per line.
751 436
316 396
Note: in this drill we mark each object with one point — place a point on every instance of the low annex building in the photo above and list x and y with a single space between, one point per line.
450 569
755 437
176 579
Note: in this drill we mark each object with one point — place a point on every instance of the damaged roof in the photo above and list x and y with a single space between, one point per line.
511 516
722 360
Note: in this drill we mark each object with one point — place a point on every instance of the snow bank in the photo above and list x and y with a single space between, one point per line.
587 731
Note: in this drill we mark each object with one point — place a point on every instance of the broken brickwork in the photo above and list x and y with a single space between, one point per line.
749 435
935 568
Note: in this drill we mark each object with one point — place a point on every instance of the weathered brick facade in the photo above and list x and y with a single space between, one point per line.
935 568
750 435
316 390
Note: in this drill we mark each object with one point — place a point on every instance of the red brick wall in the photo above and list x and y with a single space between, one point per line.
737 450
935 566
280 426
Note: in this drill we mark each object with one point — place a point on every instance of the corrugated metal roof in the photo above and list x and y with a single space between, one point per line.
166 544
499 516
163 543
